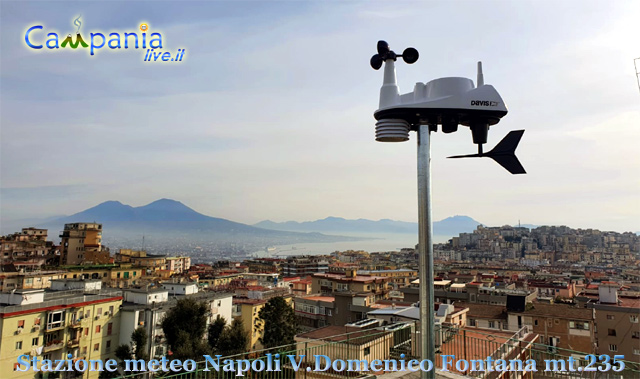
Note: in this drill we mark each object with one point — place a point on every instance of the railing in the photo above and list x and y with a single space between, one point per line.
400 344
53 346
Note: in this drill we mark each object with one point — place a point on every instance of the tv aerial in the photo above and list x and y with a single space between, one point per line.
448 103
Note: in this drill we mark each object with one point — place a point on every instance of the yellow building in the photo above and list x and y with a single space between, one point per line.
248 310
219 280
116 276
52 325
10 281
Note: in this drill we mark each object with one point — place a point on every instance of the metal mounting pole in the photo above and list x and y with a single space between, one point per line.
425 250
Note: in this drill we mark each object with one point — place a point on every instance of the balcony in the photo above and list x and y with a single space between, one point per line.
73 343
54 345
54 327
75 324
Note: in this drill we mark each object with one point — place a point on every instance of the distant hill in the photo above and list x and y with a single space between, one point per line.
163 214
170 223
450 226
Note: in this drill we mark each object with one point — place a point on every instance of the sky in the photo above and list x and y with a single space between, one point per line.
270 113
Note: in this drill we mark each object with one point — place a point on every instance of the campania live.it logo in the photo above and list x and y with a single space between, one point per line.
35 39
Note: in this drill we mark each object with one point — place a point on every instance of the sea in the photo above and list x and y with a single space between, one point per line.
370 243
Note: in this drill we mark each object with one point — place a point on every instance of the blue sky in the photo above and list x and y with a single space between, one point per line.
269 116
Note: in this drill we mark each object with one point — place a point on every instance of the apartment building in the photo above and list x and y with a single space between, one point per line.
78 317
265 279
446 291
28 249
618 321
331 283
247 311
304 265
16 280
265 265
146 307
559 326
178 265
399 278
313 312
76 239
112 275
218 280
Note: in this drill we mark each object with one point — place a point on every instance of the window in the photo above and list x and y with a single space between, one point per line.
633 319
55 320
18 345
84 350
535 322
613 347
109 328
636 351
97 328
86 331
15 366
88 314
34 342
367 351
96 347
107 346
36 321
472 322
635 335
611 332
556 321
492 324
579 325
99 312
20 324
610 317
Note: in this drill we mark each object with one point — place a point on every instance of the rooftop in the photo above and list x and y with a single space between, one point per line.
348 334
328 299
357 278
564 310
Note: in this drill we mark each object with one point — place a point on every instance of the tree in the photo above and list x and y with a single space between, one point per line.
233 340
279 321
213 333
123 352
184 326
139 340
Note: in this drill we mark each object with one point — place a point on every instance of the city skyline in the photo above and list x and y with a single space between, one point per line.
270 114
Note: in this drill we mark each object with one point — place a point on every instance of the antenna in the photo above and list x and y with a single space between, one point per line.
635 64
143 242
480 75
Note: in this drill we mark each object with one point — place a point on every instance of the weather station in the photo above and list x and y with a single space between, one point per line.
445 102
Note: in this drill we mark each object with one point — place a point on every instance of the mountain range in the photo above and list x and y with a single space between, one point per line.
167 225
450 226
